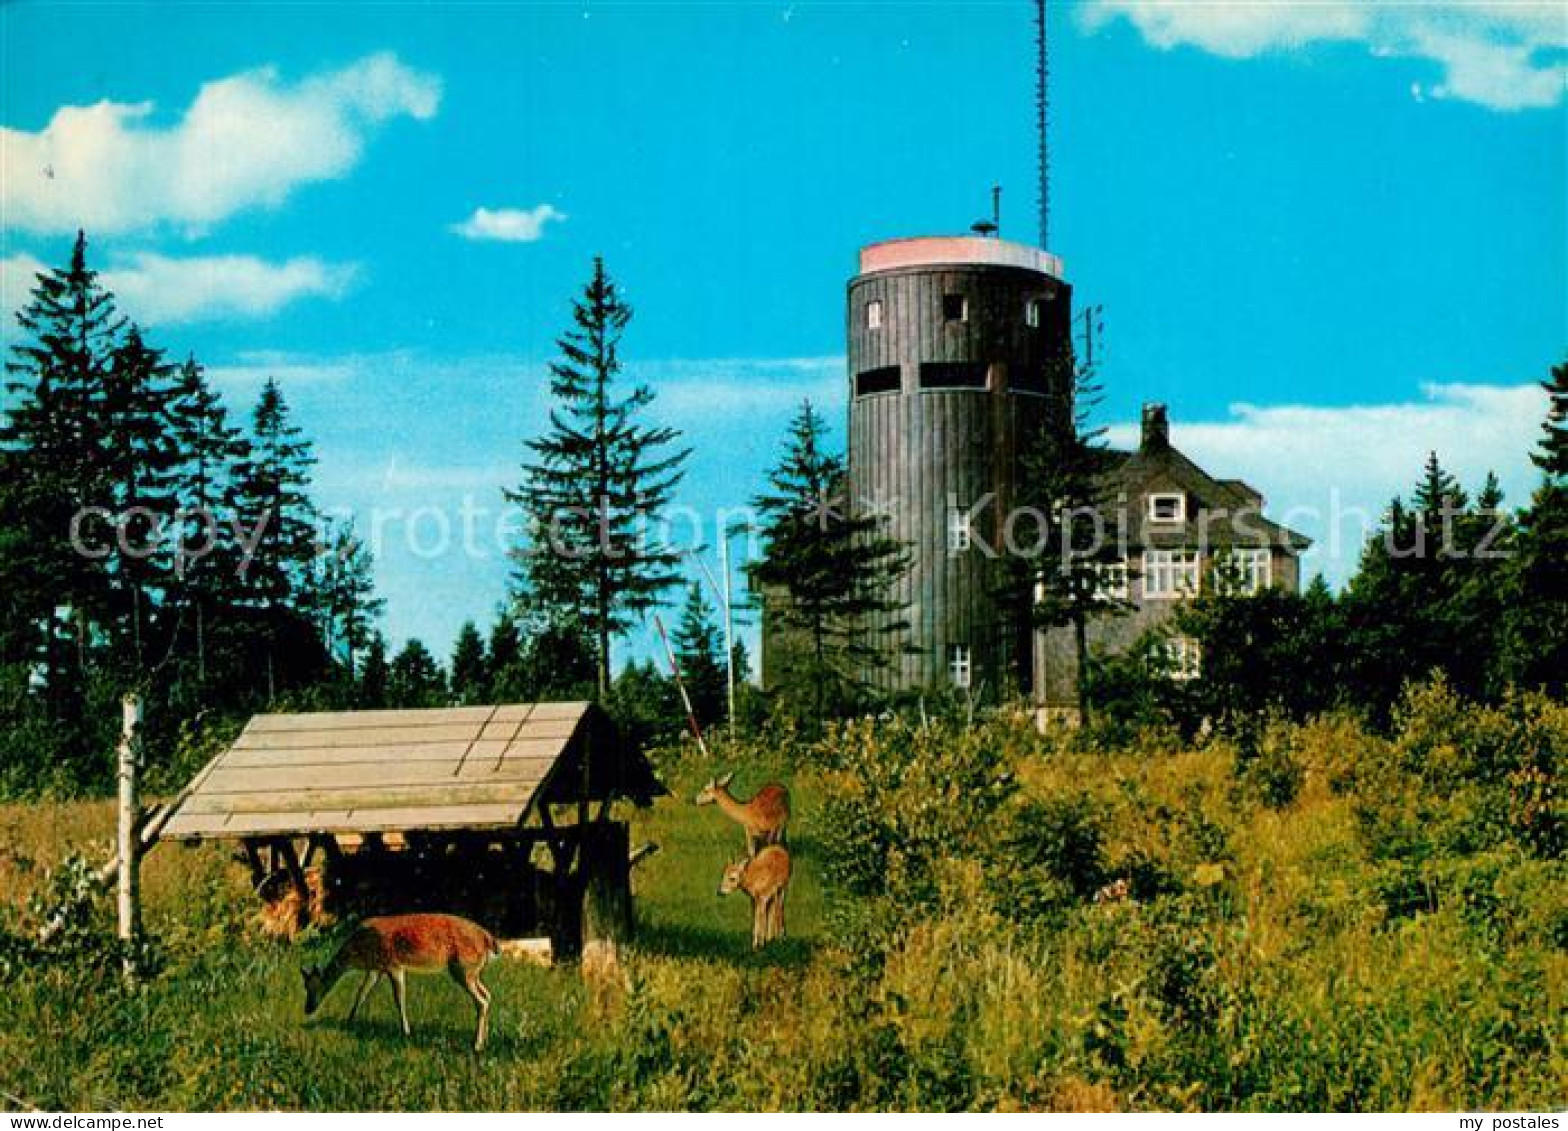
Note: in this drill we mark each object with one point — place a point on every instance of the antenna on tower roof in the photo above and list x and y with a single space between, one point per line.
1042 107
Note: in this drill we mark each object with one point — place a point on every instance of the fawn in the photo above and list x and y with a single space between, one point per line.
394 944
763 817
763 877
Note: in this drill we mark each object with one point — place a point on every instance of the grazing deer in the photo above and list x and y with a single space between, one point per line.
394 944
763 817
764 877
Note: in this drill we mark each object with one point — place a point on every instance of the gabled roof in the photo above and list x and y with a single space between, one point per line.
1131 475
397 771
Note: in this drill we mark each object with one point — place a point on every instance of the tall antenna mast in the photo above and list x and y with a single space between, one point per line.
1042 107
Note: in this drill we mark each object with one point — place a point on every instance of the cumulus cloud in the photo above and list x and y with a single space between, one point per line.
509 225
161 290
247 141
1329 471
1506 56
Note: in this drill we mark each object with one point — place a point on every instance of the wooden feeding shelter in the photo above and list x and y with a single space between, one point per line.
502 814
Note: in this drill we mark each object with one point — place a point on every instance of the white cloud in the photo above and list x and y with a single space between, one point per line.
1507 56
1330 471
159 290
248 140
509 225
252 368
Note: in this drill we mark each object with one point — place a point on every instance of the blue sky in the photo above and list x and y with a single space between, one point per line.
1330 236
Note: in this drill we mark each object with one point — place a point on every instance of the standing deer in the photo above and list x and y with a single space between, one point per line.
764 877
763 817
394 944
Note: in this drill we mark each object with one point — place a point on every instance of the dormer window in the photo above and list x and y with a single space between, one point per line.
955 308
1168 506
874 314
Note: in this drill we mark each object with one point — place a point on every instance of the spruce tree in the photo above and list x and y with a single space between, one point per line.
415 679
277 524
827 571
700 652
1534 646
503 654
140 463
54 437
373 674
594 482
343 594
1060 579
206 553
470 678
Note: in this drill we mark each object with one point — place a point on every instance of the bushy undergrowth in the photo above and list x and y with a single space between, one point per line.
1309 916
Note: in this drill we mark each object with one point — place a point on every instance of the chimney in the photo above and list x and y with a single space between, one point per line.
1156 428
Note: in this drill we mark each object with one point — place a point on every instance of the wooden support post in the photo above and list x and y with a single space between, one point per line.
129 887
258 870
607 897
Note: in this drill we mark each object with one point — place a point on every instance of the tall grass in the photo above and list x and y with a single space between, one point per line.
1315 933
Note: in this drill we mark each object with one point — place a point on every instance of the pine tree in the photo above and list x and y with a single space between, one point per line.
343 594
1534 645
594 482
140 464
206 552
373 674
503 654
700 652
470 677
1060 581
831 569
276 520
415 679
55 441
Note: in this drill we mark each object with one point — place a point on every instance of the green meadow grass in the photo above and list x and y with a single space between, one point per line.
222 1026
1344 921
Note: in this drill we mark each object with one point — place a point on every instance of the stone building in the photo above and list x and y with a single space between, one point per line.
1174 521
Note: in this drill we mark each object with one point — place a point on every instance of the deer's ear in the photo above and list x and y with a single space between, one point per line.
727 778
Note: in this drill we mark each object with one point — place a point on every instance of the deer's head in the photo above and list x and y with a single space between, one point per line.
734 872
709 794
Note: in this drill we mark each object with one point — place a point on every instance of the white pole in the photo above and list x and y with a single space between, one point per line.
729 633
129 850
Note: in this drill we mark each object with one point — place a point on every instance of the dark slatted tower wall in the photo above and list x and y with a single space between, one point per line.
917 450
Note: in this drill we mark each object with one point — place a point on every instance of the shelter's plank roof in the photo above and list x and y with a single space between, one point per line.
381 771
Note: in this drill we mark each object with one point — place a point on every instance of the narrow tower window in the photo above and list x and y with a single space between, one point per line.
955 308
959 666
960 531
884 379
1032 313
874 314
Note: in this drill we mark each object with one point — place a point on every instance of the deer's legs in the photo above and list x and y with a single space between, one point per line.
399 995
469 980
371 978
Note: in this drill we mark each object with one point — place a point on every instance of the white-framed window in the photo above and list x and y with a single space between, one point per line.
955 308
1111 584
1032 313
1184 656
959 666
1168 506
960 530
1170 573
874 314
1252 570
